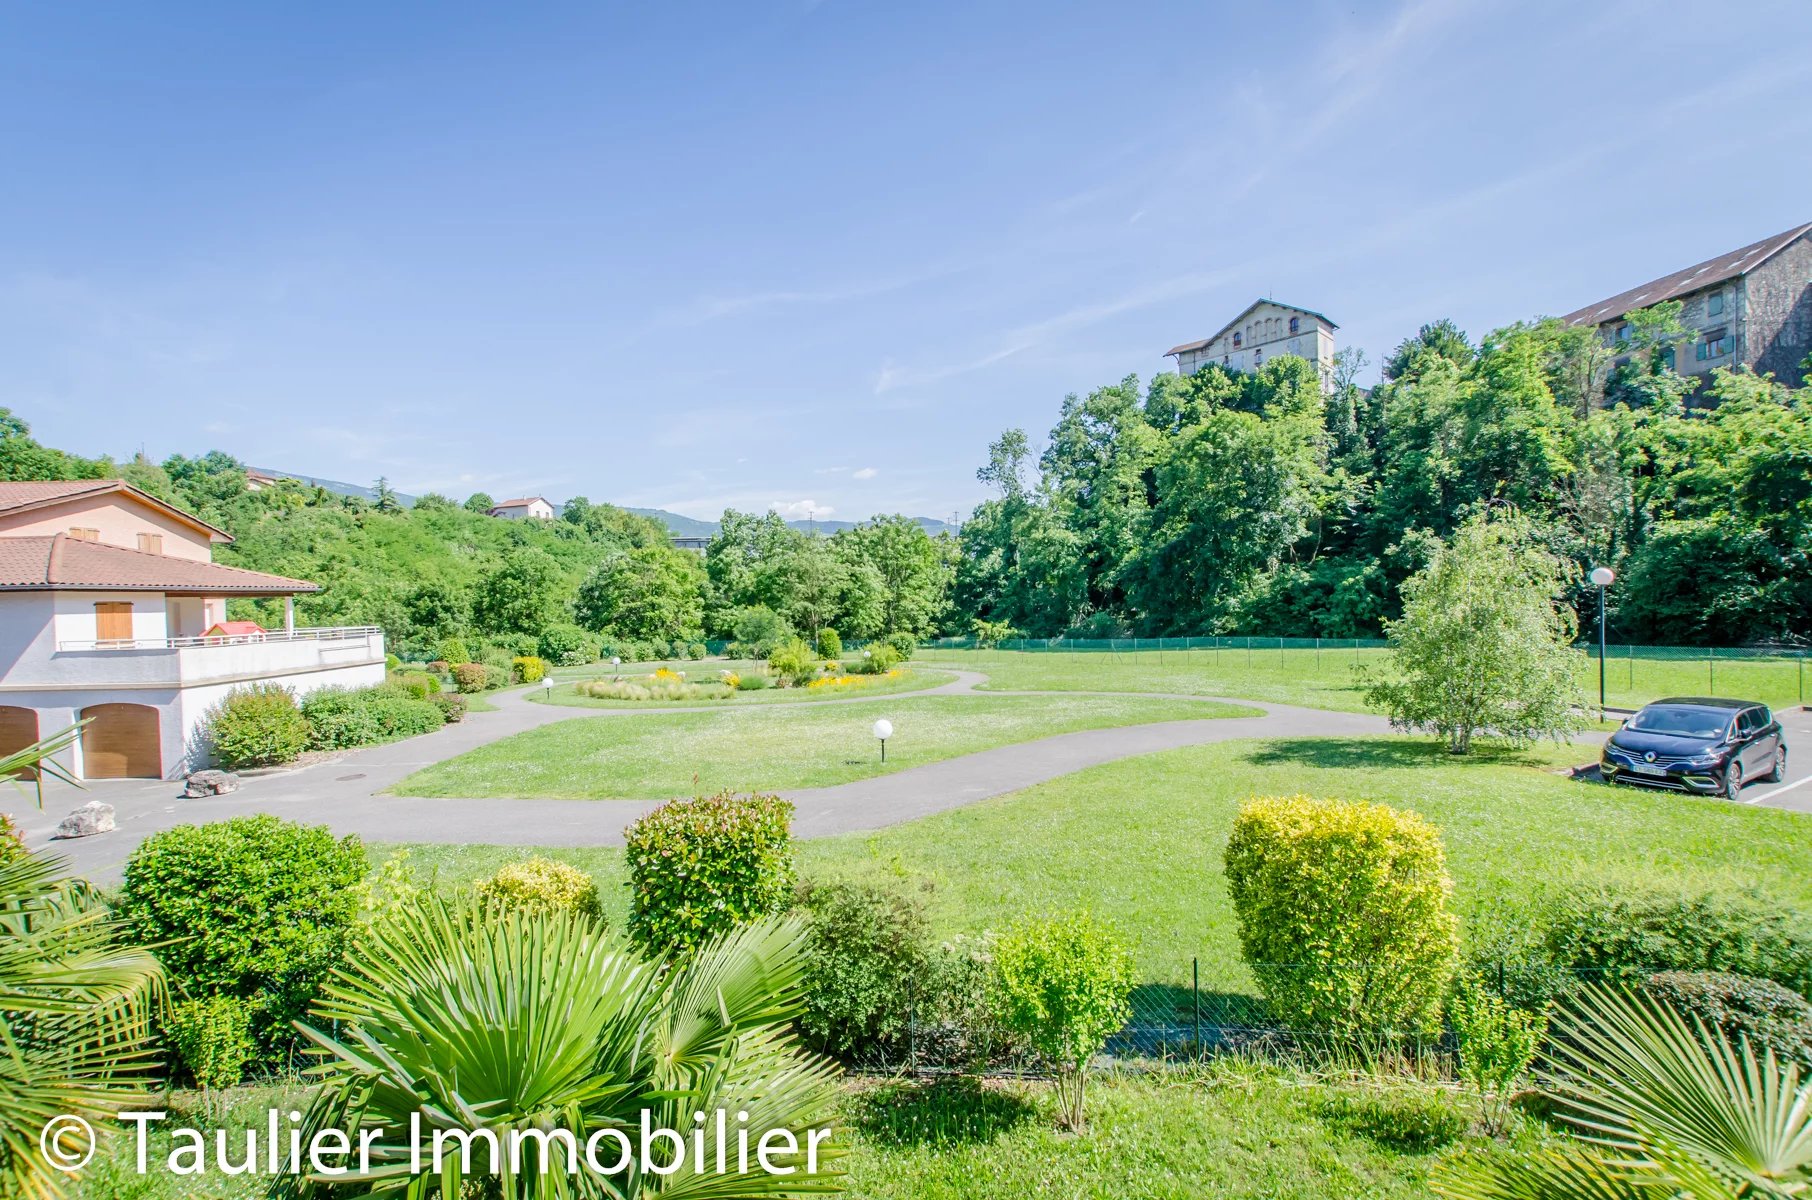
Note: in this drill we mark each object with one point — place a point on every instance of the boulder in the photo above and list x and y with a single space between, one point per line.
209 783
92 818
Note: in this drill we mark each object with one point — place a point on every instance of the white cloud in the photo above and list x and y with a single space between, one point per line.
865 473
801 510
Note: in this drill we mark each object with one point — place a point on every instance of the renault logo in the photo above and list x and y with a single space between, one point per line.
1649 757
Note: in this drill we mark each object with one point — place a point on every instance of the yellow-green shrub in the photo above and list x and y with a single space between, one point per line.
541 886
527 668
1342 911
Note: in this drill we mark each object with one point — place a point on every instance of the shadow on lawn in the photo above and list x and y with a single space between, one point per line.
941 1112
1347 753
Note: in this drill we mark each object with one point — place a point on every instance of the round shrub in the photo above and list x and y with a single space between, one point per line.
867 950
257 725
1064 984
697 650
527 668
904 644
567 645
794 662
453 652
418 684
541 886
1342 912
471 677
752 681
1771 1017
829 644
700 867
402 716
338 720
878 660
255 908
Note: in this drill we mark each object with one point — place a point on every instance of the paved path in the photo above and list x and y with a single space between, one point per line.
343 792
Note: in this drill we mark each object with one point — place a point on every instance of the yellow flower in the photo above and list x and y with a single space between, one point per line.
664 673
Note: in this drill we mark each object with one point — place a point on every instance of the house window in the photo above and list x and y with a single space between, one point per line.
1295 324
81 534
113 621
1714 346
151 543
1623 333
1237 341
1714 304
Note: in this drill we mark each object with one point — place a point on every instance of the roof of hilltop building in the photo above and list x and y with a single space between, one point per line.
58 561
1691 279
1203 343
24 496
520 502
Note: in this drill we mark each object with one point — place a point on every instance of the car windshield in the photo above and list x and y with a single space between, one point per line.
1682 722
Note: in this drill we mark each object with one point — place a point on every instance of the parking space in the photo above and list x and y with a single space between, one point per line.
1794 792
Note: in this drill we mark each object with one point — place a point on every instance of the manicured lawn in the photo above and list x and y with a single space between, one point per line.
1228 1131
1325 678
908 680
640 756
1140 841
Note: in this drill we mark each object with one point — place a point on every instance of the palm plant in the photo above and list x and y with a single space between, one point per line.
37 760
75 1016
1665 1108
470 1018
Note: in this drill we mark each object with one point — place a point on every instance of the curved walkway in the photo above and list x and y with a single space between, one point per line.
343 792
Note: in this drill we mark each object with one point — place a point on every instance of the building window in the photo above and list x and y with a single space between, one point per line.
151 543
85 535
1295 324
1237 341
1623 333
1258 356
1714 304
1714 347
113 622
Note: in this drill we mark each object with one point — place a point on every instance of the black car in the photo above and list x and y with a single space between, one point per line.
1697 744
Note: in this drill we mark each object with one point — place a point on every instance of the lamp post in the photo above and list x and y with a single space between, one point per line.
1602 578
883 731
547 687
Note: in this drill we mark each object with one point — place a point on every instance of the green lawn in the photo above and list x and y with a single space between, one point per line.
1325 678
1227 1131
640 756
910 680
1140 841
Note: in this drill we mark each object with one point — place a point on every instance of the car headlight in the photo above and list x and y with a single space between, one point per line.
1709 758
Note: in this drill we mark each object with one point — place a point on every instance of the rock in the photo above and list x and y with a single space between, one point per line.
209 783
92 818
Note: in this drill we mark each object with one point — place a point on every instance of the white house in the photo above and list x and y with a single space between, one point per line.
112 611
522 509
1266 330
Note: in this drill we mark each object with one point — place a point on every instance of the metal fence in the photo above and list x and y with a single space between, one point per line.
1634 674
950 1033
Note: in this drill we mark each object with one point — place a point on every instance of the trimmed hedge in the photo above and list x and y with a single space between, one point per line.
257 725
700 867
342 718
471 677
1342 911
527 668
1769 1016
542 887
255 908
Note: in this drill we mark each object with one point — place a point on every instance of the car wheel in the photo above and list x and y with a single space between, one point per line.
1780 766
1733 781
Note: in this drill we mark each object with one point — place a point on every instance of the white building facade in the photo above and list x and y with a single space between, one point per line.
1265 331
107 600
524 509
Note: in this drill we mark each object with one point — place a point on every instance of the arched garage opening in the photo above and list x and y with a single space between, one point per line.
18 729
121 741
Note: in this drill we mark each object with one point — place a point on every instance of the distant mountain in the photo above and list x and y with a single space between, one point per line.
693 527
678 525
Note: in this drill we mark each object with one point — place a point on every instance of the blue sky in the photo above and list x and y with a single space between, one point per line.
814 254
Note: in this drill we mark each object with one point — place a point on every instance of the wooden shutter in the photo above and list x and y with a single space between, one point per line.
81 534
151 543
113 621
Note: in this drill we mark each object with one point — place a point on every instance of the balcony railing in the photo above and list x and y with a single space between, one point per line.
334 633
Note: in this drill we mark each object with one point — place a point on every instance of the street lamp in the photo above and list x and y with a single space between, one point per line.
547 687
1602 578
883 731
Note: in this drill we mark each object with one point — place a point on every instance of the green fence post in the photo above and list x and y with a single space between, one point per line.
1195 994
1711 670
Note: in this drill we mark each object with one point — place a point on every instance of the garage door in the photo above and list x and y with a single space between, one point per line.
121 742
18 729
